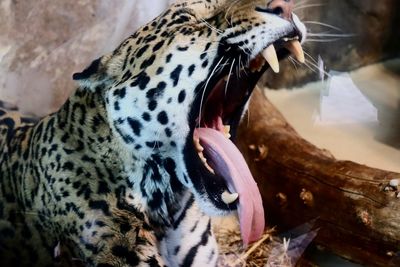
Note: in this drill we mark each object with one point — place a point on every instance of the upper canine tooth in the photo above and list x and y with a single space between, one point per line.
295 48
229 198
270 56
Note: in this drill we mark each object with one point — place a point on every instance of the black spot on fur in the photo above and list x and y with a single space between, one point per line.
135 125
157 199
68 166
141 80
156 92
178 221
158 46
129 255
150 38
193 250
191 69
154 144
162 117
152 105
116 106
125 227
159 70
183 48
148 62
175 74
141 51
168 58
176 250
146 116
168 132
120 92
152 262
103 188
181 96
100 205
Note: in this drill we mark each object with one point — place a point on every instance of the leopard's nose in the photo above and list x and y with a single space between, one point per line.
282 8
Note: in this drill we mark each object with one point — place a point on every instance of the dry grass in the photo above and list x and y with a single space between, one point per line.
268 251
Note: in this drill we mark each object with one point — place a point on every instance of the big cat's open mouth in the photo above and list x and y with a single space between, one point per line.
229 183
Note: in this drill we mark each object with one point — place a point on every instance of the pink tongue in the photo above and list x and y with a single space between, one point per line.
227 161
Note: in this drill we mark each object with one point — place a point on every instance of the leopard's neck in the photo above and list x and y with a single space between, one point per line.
149 184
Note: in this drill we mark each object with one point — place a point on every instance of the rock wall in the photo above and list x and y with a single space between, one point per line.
43 42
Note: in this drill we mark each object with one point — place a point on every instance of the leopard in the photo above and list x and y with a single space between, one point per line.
131 168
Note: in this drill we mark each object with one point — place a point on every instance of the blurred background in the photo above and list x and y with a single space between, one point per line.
49 40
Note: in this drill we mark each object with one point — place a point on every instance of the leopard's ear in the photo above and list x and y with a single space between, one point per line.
89 72
100 71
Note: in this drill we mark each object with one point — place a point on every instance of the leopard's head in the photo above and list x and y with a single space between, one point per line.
177 89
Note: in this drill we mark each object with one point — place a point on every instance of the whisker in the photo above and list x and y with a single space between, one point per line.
331 34
318 69
228 11
307 6
302 2
312 66
205 88
229 76
218 31
293 62
238 66
321 40
322 24
311 57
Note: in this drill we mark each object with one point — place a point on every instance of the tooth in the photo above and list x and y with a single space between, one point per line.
295 48
204 160
229 198
198 146
227 129
270 56
201 155
209 168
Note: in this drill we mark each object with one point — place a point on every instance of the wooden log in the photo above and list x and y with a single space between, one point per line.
358 213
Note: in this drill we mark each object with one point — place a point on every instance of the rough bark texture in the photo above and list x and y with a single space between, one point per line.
357 212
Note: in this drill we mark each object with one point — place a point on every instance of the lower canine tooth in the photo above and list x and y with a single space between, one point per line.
295 48
229 198
270 56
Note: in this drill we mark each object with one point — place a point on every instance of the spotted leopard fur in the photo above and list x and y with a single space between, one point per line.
113 175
